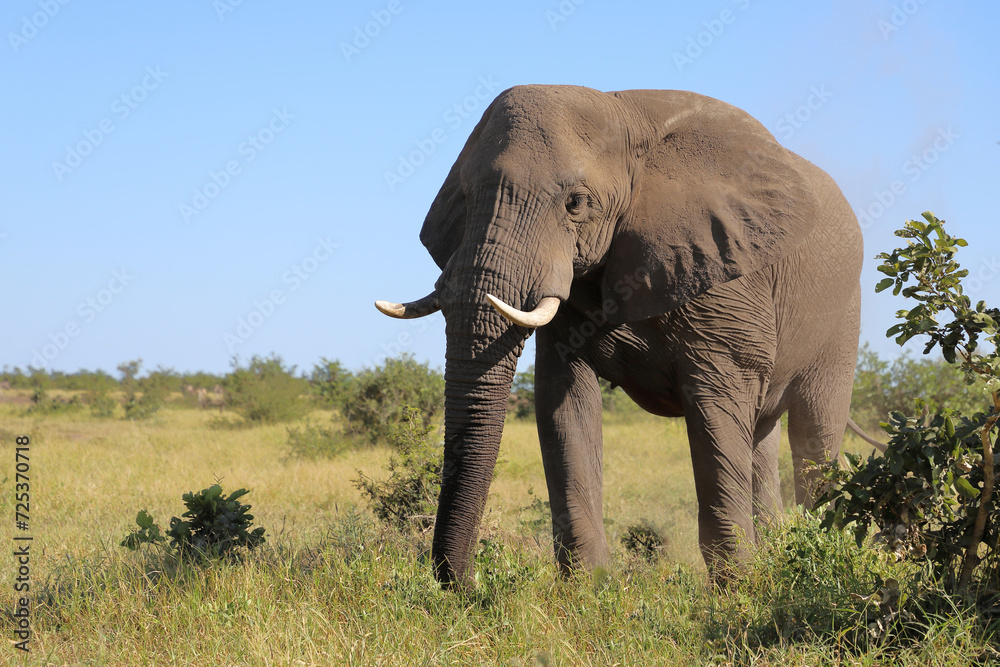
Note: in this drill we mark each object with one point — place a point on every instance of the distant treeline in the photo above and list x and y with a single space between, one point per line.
85 380
880 386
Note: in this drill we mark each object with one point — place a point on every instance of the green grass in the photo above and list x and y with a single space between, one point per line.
331 587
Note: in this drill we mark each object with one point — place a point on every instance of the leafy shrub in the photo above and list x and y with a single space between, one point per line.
408 498
522 395
313 441
378 398
264 392
153 391
806 582
42 404
917 497
500 573
644 539
102 405
930 495
215 526
330 382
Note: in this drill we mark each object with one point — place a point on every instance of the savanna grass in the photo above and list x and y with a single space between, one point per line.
333 586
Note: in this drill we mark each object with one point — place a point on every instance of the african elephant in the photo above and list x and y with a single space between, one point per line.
664 241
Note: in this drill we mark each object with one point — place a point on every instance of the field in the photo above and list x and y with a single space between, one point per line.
332 587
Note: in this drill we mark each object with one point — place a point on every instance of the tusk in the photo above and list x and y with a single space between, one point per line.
540 316
408 311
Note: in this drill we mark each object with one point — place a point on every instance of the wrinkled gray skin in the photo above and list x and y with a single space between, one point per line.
703 268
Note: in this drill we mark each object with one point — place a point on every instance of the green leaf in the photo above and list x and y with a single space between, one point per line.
884 284
963 486
143 520
948 352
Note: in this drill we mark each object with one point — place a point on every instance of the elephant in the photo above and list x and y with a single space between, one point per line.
661 240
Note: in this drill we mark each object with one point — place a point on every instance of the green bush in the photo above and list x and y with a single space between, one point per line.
102 405
409 497
265 392
214 526
42 404
644 539
378 398
930 496
522 395
143 398
330 382
806 583
313 441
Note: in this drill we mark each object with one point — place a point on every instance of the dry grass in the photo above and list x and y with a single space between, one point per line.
329 588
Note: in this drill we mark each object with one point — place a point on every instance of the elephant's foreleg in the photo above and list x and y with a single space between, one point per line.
568 413
723 477
720 410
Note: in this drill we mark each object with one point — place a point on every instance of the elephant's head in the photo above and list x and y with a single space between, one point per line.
665 192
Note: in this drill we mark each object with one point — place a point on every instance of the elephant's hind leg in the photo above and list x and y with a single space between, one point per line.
817 418
766 482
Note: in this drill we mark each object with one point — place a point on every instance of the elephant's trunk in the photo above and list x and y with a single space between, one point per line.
482 352
478 374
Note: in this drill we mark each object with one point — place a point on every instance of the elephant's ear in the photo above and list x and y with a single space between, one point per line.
714 197
444 226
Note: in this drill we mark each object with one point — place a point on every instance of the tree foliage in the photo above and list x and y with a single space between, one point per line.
265 391
376 400
408 497
521 402
930 495
143 397
330 382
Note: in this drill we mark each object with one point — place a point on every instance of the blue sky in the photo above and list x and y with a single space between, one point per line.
189 181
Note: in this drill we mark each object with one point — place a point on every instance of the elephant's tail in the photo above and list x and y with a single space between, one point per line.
864 436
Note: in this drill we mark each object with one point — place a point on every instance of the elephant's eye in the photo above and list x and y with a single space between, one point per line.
576 202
